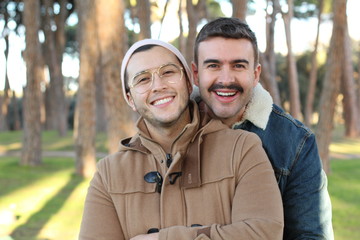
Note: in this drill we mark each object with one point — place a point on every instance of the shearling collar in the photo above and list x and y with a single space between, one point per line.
259 108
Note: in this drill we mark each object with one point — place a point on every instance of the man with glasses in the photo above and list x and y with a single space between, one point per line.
183 175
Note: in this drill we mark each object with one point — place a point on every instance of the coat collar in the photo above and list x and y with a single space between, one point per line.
143 142
259 108
186 147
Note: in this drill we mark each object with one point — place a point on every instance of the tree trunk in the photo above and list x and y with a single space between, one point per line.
84 123
110 18
358 89
348 89
313 72
4 105
268 59
60 41
163 17
295 108
49 101
331 83
2 115
143 13
31 150
49 55
239 9
182 40
60 20
16 117
56 102
195 13
101 119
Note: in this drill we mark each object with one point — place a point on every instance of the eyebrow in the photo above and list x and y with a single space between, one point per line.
211 61
232 62
240 61
141 72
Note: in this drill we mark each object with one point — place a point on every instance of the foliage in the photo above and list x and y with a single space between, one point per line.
71 45
305 9
310 8
303 64
14 111
304 68
13 10
213 9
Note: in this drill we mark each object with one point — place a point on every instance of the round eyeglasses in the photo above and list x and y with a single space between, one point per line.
143 81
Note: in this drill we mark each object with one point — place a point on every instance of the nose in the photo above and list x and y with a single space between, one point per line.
226 75
157 82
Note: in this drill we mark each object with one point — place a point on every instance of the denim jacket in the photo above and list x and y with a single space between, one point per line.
292 150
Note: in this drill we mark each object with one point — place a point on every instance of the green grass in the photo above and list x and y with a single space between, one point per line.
342 145
11 141
344 190
46 201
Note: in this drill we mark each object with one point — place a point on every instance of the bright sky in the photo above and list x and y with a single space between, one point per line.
303 35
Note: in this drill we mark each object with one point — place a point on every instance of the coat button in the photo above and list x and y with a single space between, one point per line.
153 230
196 225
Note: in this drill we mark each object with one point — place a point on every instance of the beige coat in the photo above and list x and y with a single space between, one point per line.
226 190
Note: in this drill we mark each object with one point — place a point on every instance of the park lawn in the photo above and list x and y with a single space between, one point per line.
12 141
46 201
344 190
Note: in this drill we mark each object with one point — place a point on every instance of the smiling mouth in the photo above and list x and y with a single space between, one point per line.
162 101
225 94
226 91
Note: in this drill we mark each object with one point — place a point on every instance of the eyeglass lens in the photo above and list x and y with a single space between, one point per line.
143 81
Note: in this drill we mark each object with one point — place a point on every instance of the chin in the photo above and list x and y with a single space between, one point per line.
224 115
167 120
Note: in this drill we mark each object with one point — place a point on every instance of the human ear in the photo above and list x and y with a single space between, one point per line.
257 72
131 101
195 73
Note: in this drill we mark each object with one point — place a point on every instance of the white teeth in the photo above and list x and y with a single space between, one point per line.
162 101
225 94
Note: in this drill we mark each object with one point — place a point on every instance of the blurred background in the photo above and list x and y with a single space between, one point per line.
61 105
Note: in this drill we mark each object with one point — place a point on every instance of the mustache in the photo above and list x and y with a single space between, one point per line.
219 86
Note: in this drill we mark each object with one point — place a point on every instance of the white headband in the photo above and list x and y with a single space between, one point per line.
144 42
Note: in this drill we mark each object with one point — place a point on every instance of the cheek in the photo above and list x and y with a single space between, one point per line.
185 88
206 78
137 100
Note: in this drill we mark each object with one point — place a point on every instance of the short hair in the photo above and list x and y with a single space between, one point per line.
232 28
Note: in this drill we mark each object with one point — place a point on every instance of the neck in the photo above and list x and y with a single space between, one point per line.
165 134
227 121
231 121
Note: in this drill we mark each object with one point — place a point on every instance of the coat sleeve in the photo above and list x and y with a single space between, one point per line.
100 219
307 206
257 211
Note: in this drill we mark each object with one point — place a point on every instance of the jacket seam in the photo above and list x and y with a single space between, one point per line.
291 119
299 149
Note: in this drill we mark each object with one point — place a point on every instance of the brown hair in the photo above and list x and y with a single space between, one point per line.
227 28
